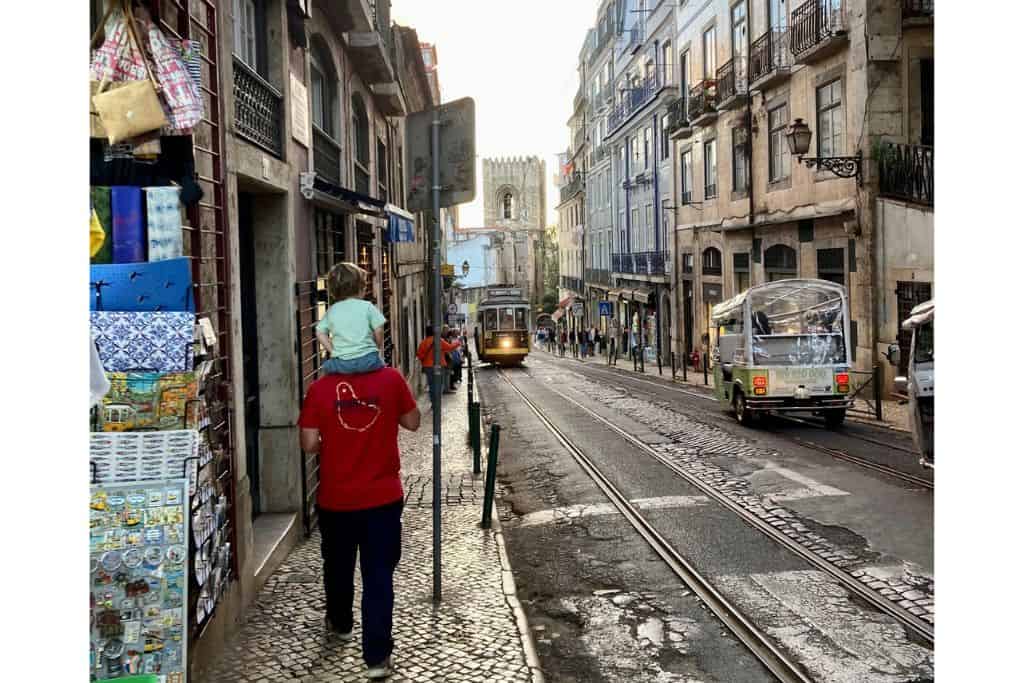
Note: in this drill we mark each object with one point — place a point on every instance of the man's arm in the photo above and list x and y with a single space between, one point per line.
309 439
411 420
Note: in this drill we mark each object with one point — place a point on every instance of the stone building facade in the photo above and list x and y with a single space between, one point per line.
515 204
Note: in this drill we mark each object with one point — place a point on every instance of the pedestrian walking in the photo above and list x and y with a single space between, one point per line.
583 341
565 340
593 340
352 421
425 354
455 355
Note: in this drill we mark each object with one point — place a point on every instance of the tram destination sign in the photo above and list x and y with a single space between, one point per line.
510 292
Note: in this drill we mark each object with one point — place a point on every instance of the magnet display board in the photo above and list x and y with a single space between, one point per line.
138 580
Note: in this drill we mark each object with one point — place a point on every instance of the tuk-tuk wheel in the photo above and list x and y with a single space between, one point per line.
739 406
834 418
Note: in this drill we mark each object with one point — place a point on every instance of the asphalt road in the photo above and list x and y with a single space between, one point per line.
605 608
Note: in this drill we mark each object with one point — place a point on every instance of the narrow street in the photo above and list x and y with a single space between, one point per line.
856 605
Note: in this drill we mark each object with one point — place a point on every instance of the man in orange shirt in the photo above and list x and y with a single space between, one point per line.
425 353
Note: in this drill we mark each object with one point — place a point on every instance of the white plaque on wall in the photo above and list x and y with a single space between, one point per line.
300 112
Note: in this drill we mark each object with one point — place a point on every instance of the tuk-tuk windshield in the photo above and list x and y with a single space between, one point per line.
924 343
797 323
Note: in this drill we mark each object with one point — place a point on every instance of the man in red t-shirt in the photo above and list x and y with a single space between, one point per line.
352 421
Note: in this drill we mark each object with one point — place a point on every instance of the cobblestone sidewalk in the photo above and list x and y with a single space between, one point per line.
477 634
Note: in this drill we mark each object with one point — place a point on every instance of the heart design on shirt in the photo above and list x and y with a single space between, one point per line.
351 405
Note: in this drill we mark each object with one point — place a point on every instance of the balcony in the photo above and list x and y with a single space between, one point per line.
918 12
369 49
350 15
635 99
258 109
679 127
703 103
579 137
650 263
388 97
634 38
598 276
326 156
770 59
818 30
732 83
907 172
571 283
572 188
603 39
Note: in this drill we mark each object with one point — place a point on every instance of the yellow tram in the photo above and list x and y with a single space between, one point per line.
502 330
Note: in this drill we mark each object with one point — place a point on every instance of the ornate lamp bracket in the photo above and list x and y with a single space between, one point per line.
844 167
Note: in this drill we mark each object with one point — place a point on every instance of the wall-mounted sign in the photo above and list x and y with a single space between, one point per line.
300 112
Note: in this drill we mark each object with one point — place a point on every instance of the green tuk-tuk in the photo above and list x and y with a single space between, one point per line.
782 346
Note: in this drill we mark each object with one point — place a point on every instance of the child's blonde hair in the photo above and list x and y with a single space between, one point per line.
345 281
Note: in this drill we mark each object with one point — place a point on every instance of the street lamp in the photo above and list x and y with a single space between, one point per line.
799 138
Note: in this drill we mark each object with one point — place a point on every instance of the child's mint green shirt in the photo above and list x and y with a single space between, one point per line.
351 323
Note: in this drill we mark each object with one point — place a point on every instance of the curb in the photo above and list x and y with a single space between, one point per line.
508 581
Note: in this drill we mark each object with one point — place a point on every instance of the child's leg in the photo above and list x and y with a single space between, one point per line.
354 366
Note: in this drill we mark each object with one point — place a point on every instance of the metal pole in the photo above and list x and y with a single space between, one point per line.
876 371
705 363
492 471
474 435
684 364
469 373
435 155
673 365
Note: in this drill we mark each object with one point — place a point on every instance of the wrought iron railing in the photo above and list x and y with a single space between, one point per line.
907 172
638 97
918 8
731 78
326 156
814 22
641 263
703 99
573 283
572 187
769 53
677 114
598 276
258 109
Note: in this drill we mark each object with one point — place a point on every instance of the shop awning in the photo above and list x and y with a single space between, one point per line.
401 224
316 188
616 293
566 301
557 315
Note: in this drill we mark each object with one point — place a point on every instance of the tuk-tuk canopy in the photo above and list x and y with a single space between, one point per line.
789 322
921 314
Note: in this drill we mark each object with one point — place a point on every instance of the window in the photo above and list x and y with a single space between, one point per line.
739 30
830 265
507 205
780 263
778 148
361 144
778 14
621 154
648 227
711 262
382 170
248 25
741 271
323 89
664 137
635 142
710 58
647 147
666 59
684 73
928 102
710 170
686 263
740 177
830 119
686 171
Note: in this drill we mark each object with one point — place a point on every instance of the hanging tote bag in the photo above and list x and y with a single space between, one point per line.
134 108
182 100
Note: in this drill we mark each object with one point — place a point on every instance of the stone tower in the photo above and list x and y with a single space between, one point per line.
515 204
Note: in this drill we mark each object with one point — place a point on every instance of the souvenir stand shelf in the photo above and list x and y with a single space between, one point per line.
151 406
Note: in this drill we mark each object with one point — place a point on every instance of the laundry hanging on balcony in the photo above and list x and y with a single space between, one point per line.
401 225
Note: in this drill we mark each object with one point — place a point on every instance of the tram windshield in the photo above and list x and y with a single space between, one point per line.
505 318
797 323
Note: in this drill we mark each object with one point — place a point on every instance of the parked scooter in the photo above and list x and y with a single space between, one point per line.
919 384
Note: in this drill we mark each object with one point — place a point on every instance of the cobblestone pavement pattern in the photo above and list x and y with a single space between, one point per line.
472 636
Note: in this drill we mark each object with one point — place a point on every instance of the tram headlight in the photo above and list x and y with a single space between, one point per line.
506 343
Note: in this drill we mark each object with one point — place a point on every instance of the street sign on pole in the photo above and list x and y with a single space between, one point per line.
442 172
605 308
577 309
457 159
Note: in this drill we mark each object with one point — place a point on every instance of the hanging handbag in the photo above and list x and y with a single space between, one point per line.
134 108
182 98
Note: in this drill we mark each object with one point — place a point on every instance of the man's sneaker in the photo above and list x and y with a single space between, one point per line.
331 630
382 670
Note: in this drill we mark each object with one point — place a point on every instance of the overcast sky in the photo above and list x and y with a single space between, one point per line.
517 60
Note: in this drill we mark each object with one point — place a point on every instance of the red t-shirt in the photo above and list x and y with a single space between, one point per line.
357 416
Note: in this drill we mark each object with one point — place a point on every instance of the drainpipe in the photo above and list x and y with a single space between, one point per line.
657 223
750 162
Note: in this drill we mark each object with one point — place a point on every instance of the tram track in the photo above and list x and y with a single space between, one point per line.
836 453
756 641
920 627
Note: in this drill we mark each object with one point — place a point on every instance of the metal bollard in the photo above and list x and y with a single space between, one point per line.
642 351
705 362
469 380
474 434
659 363
684 368
673 359
876 379
492 467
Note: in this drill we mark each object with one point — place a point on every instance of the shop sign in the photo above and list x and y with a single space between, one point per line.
577 309
300 112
